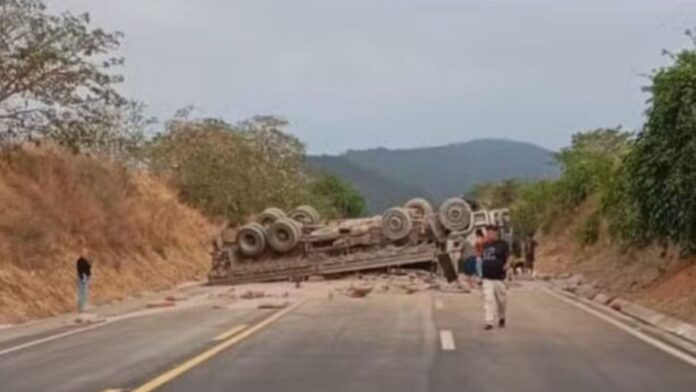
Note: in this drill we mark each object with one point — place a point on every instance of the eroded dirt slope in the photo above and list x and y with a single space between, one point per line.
140 237
652 276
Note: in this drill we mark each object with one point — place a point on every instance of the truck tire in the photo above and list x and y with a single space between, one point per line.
269 216
251 239
284 235
396 223
438 232
455 214
306 215
420 207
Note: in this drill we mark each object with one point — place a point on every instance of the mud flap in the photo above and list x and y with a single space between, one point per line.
447 266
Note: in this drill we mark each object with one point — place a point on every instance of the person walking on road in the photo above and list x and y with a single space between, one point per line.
494 270
84 272
530 246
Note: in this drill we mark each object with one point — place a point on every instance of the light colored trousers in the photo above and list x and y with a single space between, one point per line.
494 300
82 293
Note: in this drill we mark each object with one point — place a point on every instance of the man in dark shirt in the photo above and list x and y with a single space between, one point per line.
494 271
84 272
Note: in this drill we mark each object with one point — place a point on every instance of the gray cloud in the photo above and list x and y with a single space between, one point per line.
354 74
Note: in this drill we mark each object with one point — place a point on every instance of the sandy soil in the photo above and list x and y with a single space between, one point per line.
651 276
139 237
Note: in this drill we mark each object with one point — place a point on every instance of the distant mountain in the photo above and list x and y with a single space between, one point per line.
389 177
380 192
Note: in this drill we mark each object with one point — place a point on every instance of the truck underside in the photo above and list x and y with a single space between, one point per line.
299 267
280 247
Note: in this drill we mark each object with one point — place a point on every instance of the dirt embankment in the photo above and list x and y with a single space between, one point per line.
654 277
139 236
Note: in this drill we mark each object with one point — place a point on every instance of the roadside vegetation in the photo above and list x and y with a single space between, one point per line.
59 79
82 165
637 188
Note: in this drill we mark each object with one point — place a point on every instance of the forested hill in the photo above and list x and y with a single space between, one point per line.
389 177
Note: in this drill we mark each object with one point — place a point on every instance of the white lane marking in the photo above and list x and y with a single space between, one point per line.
51 338
229 333
645 338
439 304
447 340
108 321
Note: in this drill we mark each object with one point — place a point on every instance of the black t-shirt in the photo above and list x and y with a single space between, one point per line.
83 268
495 255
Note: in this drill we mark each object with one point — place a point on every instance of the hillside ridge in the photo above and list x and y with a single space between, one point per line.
436 172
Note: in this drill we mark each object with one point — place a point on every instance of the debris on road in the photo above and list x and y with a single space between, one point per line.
602 299
175 298
579 288
89 318
250 294
225 295
400 281
273 305
359 292
616 305
160 304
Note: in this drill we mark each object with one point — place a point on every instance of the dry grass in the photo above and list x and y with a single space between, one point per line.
140 238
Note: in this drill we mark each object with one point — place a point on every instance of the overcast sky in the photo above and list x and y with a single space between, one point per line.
398 73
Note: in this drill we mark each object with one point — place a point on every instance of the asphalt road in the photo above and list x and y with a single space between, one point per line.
379 343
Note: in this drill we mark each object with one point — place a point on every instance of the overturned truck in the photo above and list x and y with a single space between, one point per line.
279 246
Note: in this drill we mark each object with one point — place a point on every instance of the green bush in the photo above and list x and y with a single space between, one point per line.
532 210
590 164
497 195
588 231
337 197
661 169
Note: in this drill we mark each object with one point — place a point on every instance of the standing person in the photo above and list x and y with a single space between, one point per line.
495 257
479 243
84 272
530 253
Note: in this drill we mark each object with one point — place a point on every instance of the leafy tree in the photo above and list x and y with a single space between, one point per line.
588 166
56 79
231 170
342 197
661 168
279 156
591 169
534 207
496 195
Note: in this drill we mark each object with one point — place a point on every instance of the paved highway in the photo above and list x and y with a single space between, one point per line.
423 342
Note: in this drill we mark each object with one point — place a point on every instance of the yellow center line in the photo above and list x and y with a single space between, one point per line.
229 333
206 355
